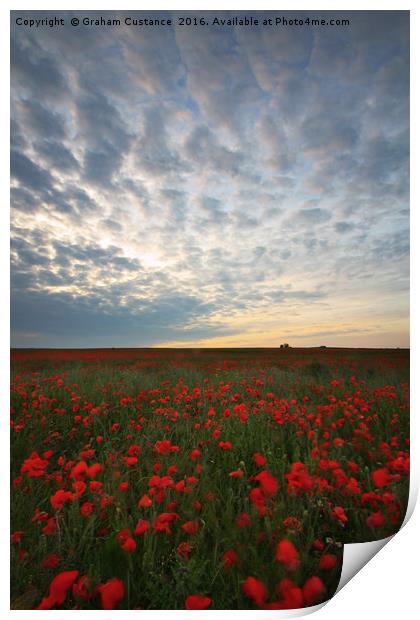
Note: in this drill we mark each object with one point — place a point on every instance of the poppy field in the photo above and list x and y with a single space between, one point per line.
201 479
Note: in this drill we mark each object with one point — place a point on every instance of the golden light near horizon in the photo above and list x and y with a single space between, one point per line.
359 336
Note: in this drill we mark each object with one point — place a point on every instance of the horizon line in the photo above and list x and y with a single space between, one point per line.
195 348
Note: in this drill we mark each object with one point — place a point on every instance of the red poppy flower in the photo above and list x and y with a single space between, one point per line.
22 555
243 520
284 585
230 558
339 514
292 524
191 527
79 470
123 534
95 486
273 605
16 537
298 479
141 527
197 601
80 487
259 459
145 502
164 521
106 500
60 497
84 589
34 466
268 483
318 544
94 470
312 590
134 450
50 527
129 545
352 487
292 596
87 509
184 549
87 454
255 590
381 477
376 519
353 466
287 554
160 482
258 499
328 562
112 593
51 561
58 589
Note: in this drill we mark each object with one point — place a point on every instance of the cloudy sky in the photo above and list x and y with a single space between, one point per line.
217 186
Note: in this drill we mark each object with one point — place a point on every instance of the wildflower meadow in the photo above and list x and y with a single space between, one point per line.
201 479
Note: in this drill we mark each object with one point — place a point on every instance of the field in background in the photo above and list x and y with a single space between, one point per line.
214 478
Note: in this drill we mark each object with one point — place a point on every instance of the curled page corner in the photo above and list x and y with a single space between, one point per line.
282 613
303 611
412 497
356 555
